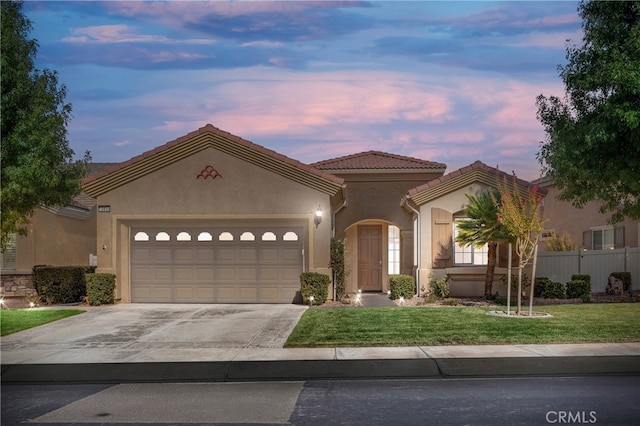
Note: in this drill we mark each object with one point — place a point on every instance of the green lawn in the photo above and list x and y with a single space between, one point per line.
14 320
581 323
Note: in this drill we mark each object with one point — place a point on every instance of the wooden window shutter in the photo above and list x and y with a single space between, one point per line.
441 237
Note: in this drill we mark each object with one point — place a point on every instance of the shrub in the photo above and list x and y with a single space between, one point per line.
61 284
583 277
560 243
338 251
316 285
402 286
541 283
548 289
451 301
440 286
625 277
577 289
101 289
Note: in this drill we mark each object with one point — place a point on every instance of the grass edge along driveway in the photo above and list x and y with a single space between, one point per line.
14 320
434 326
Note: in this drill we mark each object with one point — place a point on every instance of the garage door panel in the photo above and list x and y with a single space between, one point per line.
205 274
162 273
142 254
225 274
268 294
269 254
248 254
268 274
162 255
205 294
233 269
204 254
184 255
226 294
183 294
291 254
248 274
226 254
290 274
248 294
157 294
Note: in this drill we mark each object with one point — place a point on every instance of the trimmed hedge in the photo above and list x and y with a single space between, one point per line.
583 277
61 284
548 289
625 277
316 285
578 289
101 289
402 286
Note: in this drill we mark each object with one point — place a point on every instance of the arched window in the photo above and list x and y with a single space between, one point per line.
162 236
247 236
225 236
205 236
183 236
141 236
268 236
290 236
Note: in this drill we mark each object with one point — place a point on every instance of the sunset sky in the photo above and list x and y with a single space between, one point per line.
452 82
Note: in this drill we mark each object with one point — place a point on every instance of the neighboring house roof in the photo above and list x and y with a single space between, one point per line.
476 172
376 161
211 137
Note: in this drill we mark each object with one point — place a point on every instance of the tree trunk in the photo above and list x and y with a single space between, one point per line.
491 267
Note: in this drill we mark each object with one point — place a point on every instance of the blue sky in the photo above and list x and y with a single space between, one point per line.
448 81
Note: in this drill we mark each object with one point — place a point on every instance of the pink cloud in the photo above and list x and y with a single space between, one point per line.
122 34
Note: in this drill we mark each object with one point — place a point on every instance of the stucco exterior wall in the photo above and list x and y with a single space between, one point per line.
244 193
453 202
55 240
562 217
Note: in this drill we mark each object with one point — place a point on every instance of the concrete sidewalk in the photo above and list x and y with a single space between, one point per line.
212 343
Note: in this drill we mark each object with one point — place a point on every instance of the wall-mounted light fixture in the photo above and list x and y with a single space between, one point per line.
318 219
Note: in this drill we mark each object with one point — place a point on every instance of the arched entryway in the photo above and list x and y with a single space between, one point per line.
373 253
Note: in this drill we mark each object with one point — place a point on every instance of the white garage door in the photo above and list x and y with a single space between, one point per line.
216 264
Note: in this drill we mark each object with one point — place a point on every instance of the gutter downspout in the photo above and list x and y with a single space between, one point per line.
333 228
417 243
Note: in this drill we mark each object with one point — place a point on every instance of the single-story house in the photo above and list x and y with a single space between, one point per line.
213 218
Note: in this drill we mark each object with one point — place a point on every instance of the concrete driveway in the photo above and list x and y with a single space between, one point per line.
154 332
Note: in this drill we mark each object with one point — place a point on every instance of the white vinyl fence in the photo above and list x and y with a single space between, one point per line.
599 264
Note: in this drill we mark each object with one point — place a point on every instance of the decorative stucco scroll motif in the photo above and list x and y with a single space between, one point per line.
209 172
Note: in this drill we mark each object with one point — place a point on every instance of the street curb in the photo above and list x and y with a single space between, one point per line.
243 371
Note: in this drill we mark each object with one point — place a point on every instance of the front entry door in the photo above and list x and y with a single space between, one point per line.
370 258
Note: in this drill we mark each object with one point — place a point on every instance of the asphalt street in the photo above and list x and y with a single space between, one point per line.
607 400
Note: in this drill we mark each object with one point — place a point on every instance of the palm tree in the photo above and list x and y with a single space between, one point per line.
483 227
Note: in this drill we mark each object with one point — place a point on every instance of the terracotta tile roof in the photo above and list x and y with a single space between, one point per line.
209 136
476 172
376 160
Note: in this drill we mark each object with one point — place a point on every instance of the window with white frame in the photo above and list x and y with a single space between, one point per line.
394 250
603 238
467 255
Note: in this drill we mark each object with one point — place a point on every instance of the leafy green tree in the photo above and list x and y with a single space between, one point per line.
483 227
592 148
37 166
